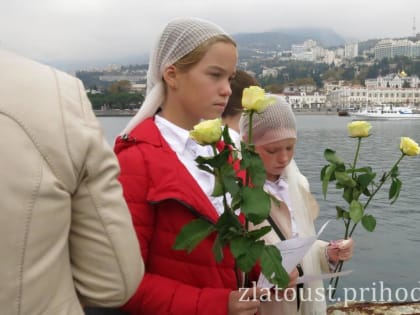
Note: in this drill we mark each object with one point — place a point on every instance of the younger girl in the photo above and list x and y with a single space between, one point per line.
274 137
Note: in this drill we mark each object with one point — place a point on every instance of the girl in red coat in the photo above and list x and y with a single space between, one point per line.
188 80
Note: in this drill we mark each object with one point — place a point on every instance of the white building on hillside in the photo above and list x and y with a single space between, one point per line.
351 50
389 48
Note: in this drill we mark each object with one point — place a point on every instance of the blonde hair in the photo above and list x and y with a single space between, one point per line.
194 57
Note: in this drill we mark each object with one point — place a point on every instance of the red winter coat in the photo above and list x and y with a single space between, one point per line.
163 197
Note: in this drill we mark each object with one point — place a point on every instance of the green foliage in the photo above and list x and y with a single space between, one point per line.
120 87
245 187
193 233
369 222
116 101
273 271
354 183
255 203
246 252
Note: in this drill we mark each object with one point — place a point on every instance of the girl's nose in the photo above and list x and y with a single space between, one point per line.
226 89
282 157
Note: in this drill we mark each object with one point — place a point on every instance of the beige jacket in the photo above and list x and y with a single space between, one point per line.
306 210
66 236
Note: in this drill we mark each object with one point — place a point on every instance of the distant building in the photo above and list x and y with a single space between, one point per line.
329 57
393 80
298 49
303 101
339 53
121 77
351 50
362 96
138 87
389 48
269 72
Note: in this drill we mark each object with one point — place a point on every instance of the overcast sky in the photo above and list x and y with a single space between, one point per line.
88 30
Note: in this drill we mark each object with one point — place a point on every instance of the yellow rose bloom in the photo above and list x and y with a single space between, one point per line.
409 146
207 132
254 99
359 129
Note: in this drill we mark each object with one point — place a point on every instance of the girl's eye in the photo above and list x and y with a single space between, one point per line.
215 75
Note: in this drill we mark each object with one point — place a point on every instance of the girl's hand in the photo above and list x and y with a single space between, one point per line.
340 250
245 301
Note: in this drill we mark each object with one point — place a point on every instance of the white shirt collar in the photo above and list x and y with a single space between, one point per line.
176 136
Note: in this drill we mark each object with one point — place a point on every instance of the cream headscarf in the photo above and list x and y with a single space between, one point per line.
180 37
276 122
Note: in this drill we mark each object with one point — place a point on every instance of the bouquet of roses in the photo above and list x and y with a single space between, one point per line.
359 185
240 182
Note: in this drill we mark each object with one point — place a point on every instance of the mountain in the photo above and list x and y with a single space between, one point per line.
277 39
284 38
74 65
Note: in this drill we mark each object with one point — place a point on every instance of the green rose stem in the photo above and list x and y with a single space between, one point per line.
347 235
250 146
379 187
218 174
339 265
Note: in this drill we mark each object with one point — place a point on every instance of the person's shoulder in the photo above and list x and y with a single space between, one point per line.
145 132
24 66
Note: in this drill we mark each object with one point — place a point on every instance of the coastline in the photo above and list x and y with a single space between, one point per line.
315 113
114 112
129 112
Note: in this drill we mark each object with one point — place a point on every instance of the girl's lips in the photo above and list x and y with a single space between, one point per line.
221 105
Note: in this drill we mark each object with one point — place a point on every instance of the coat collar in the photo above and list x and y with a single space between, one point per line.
170 179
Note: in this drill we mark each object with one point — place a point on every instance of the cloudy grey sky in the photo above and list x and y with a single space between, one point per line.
88 30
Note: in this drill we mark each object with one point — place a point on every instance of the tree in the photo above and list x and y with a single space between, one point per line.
120 86
116 100
406 84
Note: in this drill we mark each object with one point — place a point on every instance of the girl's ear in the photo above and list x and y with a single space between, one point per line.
170 76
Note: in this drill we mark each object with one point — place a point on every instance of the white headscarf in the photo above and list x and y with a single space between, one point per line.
180 37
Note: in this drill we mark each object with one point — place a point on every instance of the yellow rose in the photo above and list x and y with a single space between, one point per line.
409 146
359 129
207 132
254 99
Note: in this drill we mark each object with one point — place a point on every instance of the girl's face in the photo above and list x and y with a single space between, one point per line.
276 156
202 92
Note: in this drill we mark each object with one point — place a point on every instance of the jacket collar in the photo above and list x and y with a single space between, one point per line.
171 179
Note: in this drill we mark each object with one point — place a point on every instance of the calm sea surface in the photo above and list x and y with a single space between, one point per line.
389 257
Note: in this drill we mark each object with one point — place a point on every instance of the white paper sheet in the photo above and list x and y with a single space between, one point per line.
324 276
292 252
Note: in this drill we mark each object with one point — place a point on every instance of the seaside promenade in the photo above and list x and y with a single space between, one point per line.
129 112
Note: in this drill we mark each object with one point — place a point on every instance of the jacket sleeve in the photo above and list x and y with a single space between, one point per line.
157 294
160 295
320 247
104 251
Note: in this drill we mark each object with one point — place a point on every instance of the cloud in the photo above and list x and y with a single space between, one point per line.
82 30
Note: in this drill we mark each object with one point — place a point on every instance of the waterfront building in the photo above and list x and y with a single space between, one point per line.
303 101
356 97
393 80
121 77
